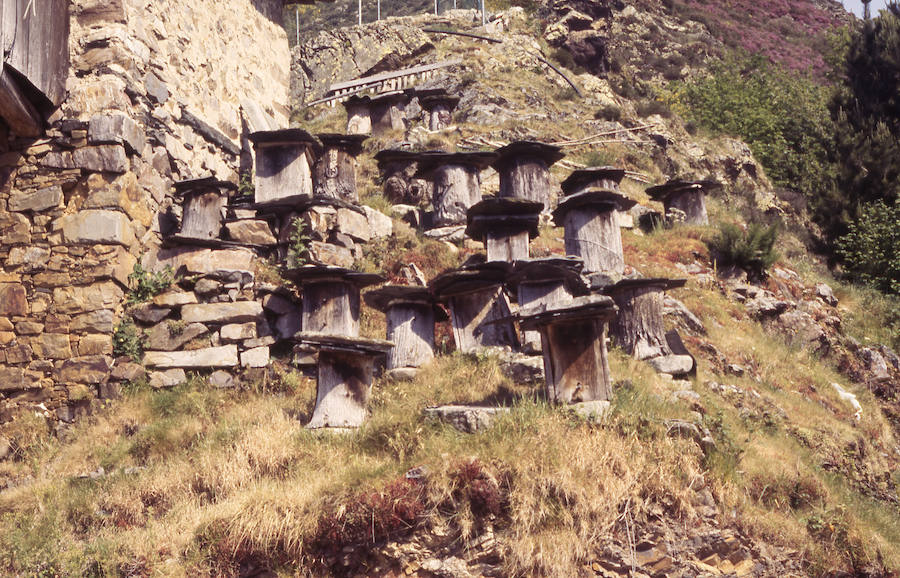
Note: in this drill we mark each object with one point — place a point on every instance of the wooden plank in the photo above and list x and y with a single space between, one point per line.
335 175
639 327
456 188
202 216
527 178
506 246
537 293
39 43
481 319
466 34
385 76
282 172
575 361
18 112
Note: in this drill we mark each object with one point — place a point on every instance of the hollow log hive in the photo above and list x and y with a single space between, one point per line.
387 111
456 183
203 208
524 168
505 226
284 161
688 197
335 170
592 228
438 107
639 327
573 340
545 282
479 309
411 313
359 115
398 173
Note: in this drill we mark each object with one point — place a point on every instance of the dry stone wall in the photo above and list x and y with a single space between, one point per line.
156 92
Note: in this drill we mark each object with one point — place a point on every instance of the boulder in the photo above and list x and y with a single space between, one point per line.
328 254
278 305
222 356
239 312
37 200
166 379
128 371
174 298
149 313
221 379
287 325
875 363
453 233
466 418
826 294
97 226
252 232
380 225
766 305
168 336
352 224
672 364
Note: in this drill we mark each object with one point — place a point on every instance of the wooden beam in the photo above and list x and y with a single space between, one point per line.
18 112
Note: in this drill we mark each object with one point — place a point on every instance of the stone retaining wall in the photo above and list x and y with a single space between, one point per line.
156 92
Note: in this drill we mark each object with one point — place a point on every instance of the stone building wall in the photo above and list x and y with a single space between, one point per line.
156 92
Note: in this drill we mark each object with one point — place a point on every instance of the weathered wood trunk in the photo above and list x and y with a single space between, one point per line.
693 203
594 235
533 293
411 327
331 307
639 327
526 179
335 175
202 215
343 389
506 246
439 117
282 173
456 188
473 316
575 361
359 119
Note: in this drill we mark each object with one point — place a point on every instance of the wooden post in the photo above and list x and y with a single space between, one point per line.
359 115
479 309
456 181
545 282
524 168
639 327
505 225
592 228
204 202
344 382
410 313
284 160
688 197
573 339
330 298
335 170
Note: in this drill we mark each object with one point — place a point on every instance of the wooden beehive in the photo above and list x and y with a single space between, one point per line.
524 168
573 340
284 161
456 183
592 228
335 170
505 226
411 313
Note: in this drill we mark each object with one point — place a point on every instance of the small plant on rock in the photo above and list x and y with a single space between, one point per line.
752 250
298 247
148 284
127 340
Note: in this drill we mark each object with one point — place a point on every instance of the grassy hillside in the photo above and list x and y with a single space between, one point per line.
199 481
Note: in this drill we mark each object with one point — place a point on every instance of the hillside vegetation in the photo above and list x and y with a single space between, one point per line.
759 465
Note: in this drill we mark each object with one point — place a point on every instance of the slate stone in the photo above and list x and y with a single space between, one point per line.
239 312
169 337
97 226
223 356
37 200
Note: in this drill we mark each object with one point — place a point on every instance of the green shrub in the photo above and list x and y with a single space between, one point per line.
752 250
148 284
871 250
128 340
648 107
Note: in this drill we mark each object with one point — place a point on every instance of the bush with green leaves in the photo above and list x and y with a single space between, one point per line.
783 116
752 250
871 249
147 284
128 340
298 244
